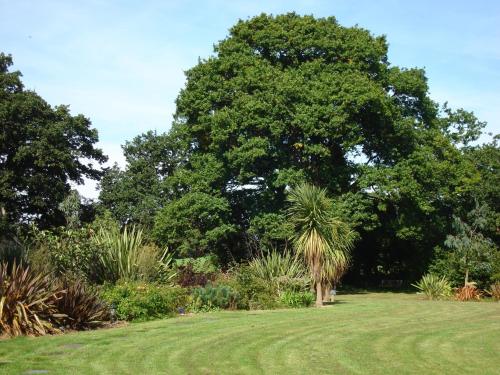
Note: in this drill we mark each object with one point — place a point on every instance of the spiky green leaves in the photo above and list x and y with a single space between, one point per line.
323 240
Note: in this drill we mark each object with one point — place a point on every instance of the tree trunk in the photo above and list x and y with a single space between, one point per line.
466 276
319 294
326 293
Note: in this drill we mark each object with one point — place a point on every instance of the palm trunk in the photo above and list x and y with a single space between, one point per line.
319 294
326 293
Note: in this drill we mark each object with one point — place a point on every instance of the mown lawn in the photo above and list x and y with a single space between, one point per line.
362 334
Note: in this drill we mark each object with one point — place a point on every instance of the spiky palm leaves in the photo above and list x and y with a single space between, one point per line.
121 253
282 270
28 302
33 303
320 238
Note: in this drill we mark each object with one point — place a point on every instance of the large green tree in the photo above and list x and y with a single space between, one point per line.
42 150
288 98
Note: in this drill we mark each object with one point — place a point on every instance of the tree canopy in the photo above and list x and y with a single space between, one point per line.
289 99
42 150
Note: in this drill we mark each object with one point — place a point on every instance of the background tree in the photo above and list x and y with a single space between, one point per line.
290 98
286 99
136 194
42 150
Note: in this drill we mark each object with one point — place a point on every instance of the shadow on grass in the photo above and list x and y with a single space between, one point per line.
336 302
354 290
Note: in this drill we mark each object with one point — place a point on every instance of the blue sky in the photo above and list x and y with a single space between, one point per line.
121 63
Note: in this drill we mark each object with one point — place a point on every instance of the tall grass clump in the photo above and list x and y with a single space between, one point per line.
120 253
434 287
285 271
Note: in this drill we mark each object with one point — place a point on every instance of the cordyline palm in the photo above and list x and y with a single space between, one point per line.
318 237
337 263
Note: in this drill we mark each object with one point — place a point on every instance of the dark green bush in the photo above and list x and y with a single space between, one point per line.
214 298
297 299
141 301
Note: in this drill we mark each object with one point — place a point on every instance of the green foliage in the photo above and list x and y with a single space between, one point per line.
195 271
284 271
448 263
122 253
255 293
28 302
136 194
207 264
471 247
193 224
82 306
270 231
297 299
72 251
214 298
322 240
142 301
70 207
286 99
42 150
434 287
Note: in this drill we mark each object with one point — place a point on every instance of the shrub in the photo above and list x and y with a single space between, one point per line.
285 271
120 253
214 298
468 292
28 302
297 299
66 251
449 264
207 264
154 264
253 292
434 287
495 291
125 256
82 306
143 301
196 271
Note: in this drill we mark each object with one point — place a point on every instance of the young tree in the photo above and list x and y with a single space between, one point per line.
321 239
71 209
470 245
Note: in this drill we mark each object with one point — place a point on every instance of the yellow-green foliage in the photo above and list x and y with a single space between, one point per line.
434 287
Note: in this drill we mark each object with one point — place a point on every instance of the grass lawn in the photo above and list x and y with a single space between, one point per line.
362 334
